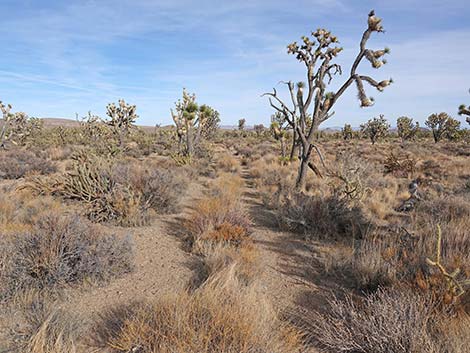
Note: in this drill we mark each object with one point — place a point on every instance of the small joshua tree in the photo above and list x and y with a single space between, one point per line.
211 118
376 128
259 129
122 116
16 127
443 126
317 54
241 124
192 123
406 129
347 132
279 131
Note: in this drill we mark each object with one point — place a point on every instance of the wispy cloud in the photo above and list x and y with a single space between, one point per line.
63 57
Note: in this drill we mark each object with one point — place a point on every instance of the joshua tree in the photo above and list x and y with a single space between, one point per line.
464 110
241 124
443 126
406 129
16 127
279 131
317 54
259 129
347 132
122 117
375 128
211 118
192 122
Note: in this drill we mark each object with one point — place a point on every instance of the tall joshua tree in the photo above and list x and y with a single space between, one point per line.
317 54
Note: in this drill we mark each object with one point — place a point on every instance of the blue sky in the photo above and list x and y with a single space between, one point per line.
64 57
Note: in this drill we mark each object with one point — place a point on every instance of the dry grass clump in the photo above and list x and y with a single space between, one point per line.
220 217
228 163
60 251
387 321
16 164
220 317
41 326
19 210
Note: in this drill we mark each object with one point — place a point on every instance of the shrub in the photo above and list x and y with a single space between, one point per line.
387 321
60 251
323 217
16 164
43 327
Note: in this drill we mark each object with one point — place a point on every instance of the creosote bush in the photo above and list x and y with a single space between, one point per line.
16 164
387 321
60 251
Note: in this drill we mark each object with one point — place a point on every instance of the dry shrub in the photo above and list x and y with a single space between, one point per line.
220 317
322 217
60 251
399 258
16 164
228 163
400 166
387 321
244 261
218 219
41 326
19 210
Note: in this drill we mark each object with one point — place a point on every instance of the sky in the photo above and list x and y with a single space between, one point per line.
60 58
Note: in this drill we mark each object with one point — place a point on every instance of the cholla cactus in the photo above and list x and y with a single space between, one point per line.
318 53
376 128
192 122
406 129
442 125
16 127
455 285
123 116
347 132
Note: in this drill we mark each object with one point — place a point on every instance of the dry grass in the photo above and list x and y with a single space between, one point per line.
219 218
223 316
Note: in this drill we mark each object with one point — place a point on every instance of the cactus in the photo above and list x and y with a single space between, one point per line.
278 130
317 53
455 286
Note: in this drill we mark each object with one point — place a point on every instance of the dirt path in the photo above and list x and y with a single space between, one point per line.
162 266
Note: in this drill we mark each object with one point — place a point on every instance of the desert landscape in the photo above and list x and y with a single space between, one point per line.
279 237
